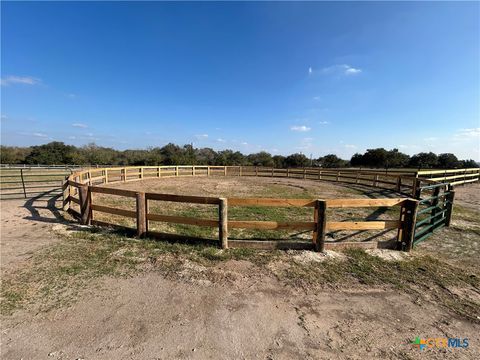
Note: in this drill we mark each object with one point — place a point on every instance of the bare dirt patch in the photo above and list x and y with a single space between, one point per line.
468 195
248 315
26 226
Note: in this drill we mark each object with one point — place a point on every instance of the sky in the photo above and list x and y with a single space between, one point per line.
284 77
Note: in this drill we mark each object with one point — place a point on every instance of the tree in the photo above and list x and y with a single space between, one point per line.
332 161
97 155
172 154
262 158
376 158
279 161
424 160
205 156
357 160
466 164
297 160
13 154
397 159
448 161
52 153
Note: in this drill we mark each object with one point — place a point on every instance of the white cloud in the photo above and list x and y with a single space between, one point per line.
351 70
72 137
25 80
430 139
80 125
4 117
310 70
201 136
350 146
71 96
464 134
221 140
343 69
40 135
244 143
324 122
316 98
300 128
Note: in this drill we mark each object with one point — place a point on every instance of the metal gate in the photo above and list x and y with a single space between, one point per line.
435 209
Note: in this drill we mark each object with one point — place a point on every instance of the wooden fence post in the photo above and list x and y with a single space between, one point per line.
223 223
415 188
224 171
176 170
304 173
338 175
399 183
23 184
449 204
66 194
124 171
85 205
410 208
141 214
208 170
320 219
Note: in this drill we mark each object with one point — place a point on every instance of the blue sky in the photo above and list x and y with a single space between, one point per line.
284 77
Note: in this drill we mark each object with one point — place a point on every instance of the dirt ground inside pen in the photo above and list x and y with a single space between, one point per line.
164 303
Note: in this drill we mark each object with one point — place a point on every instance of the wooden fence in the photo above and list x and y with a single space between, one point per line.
80 186
451 176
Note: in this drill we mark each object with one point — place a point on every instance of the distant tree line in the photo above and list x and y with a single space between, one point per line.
171 154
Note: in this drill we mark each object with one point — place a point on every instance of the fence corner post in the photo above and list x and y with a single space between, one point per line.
449 204
141 214
320 219
223 223
410 209
85 204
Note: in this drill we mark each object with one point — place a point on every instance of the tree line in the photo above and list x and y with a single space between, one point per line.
59 153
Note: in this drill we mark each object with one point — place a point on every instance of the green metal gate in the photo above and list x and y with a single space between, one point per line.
435 209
